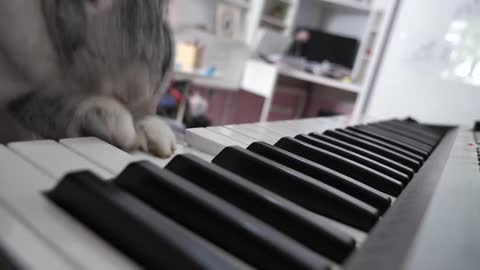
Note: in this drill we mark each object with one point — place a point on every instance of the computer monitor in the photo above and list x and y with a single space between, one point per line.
322 46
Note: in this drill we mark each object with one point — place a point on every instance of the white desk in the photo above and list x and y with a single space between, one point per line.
262 79
316 79
199 79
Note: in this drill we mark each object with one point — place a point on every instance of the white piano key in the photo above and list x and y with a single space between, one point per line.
293 128
55 159
258 135
286 128
114 159
340 121
181 149
208 141
25 246
274 134
279 127
366 119
22 189
234 135
101 153
315 124
279 130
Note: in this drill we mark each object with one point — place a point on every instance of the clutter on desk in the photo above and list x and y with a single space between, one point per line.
189 60
169 103
333 57
222 63
324 68
177 99
328 69
188 57
198 104
320 53
197 112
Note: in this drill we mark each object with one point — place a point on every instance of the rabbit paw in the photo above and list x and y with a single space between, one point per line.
106 119
155 136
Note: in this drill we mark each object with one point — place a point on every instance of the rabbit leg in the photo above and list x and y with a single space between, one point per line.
105 118
59 115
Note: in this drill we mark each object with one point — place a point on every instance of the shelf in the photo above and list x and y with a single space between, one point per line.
289 2
273 21
244 4
353 4
302 75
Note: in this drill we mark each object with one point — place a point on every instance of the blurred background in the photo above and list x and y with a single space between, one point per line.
242 61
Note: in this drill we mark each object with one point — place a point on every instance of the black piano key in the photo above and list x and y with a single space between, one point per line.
8 261
414 136
383 144
386 161
418 127
392 143
355 157
407 161
278 212
342 165
152 240
416 144
403 133
223 224
394 139
326 175
432 129
299 188
415 131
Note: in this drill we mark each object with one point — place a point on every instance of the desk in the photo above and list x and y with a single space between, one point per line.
317 79
199 79
261 78
271 72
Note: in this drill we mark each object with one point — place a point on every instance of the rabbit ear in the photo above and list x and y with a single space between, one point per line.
67 22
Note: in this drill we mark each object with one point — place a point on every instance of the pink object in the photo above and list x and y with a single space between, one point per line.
302 36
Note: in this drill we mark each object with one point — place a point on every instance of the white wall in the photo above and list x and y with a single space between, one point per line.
314 13
415 77
350 24
194 12
309 14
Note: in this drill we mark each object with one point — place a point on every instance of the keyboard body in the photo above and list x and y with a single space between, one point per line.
430 224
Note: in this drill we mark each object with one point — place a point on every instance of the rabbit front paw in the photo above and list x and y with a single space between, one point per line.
155 137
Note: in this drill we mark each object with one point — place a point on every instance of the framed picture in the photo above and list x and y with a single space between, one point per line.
228 21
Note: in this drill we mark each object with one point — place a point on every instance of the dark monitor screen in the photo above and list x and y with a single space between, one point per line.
322 46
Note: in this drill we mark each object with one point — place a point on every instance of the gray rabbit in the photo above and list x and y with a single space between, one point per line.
71 68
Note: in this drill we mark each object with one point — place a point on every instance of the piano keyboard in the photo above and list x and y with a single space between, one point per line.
306 194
